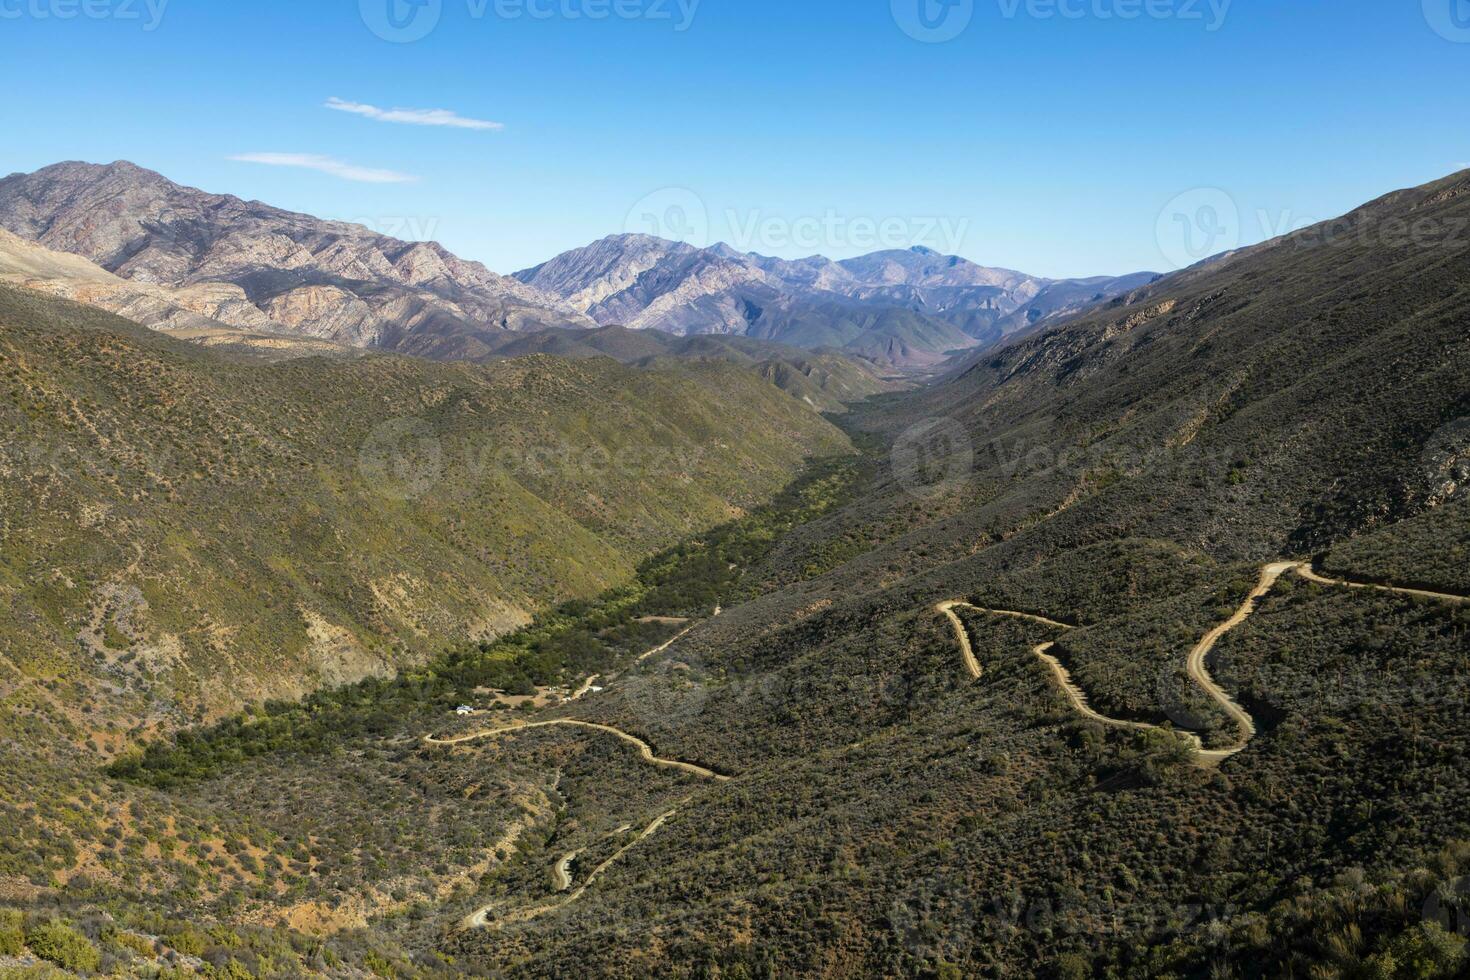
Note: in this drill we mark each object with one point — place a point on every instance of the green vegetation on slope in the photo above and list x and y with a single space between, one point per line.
575 640
186 533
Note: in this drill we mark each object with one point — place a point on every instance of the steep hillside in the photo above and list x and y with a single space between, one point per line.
1325 366
323 279
186 532
197 313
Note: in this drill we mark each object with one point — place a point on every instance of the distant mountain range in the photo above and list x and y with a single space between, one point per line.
246 265
908 308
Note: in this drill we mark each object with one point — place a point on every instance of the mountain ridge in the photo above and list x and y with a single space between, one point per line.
257 267
925 305
330 280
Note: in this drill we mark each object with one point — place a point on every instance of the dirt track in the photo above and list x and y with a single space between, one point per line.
481 919
645 751
1197 663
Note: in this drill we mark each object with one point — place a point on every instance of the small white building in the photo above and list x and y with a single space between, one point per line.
464 709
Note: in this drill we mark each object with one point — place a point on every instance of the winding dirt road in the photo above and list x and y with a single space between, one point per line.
481 918
1311 575
562 873
646 833
645 751
1197 664
972 664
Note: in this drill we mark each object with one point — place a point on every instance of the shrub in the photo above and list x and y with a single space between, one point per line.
140 945
12 932
188 941
65 947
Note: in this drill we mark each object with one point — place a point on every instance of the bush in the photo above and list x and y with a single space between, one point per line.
188 941
65 947
12 935
140 945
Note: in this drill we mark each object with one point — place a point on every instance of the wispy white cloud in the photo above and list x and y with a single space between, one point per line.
412 117
327 165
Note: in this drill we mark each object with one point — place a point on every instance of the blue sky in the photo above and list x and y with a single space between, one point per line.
1056 140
